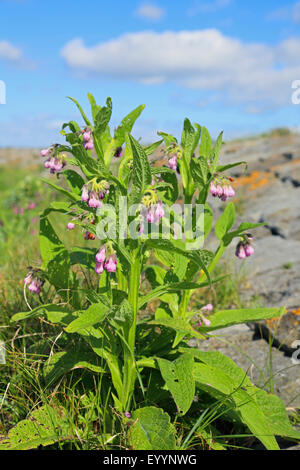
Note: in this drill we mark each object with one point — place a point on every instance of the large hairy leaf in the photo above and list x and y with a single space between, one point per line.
45 426
179 379
96 313
152 430
65 361
141 177
226 318
245 406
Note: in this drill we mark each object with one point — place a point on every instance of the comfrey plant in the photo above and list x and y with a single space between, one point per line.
131 312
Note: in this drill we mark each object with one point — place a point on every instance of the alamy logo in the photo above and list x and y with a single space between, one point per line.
2 353
296 354
2 92
296 93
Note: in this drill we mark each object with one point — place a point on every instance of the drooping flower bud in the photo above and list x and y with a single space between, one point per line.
206 322
45 152
28 279
208 307
84 194
118 152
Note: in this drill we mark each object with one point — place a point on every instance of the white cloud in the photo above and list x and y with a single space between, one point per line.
150 12
9 52
253 74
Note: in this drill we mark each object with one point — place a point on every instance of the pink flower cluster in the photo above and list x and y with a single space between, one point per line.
151 213
54 162
34 283
222 190
94 197
105 261
244 248
204 310
88 140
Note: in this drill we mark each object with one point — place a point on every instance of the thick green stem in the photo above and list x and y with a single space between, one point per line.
129 376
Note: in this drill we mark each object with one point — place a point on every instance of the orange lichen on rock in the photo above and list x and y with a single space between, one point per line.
255 180
296 311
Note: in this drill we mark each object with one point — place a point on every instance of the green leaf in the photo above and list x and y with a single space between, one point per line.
180 325
276 414
216 153
226 221
74 197
245 406
152 430
141 176
189 138
96 313
168 138
151 148
226 318
44 427
205 144
200 257
244 227
86 120
179 379
222 168
224 363
127 125
200 170
95 108
175 287
102 118
74 180
62 362
41 310
55 257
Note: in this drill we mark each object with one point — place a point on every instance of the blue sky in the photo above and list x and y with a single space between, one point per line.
226 64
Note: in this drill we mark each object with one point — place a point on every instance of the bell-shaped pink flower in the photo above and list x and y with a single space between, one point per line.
70 226
111 263
213 189
249 250
173 162
89 145
100 256
240 251
86 136
159 211
94 201
99 268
